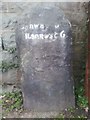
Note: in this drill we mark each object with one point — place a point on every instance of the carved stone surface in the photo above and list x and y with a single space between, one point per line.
44 45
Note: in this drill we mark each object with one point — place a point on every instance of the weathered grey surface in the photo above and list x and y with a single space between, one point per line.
47 83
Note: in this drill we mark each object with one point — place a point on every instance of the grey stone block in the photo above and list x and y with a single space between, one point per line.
8 38
47 83
6 56
9 21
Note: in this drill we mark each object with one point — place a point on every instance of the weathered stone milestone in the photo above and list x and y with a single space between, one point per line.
44 46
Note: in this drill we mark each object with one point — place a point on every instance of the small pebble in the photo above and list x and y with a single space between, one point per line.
86 109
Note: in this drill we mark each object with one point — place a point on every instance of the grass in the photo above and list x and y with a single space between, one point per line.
81 99
11 50
7 66
12 101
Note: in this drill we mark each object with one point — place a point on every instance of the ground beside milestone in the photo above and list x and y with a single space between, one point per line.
12 105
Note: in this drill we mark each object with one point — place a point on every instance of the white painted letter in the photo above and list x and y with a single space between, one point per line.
27 36
62 34
36 26
42 26
56 26
55 35
31 26
41 36
46 36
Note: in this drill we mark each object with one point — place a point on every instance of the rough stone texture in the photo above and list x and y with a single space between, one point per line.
9 21
33 114
6 57
7 88
9 77
8 38
46 68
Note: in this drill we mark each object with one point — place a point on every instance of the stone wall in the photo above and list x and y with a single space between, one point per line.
11 11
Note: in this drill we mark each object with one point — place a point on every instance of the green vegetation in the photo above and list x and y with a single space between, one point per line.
71 113
5 66
81 100
12 101
11 50
60 117
73 118
71 109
